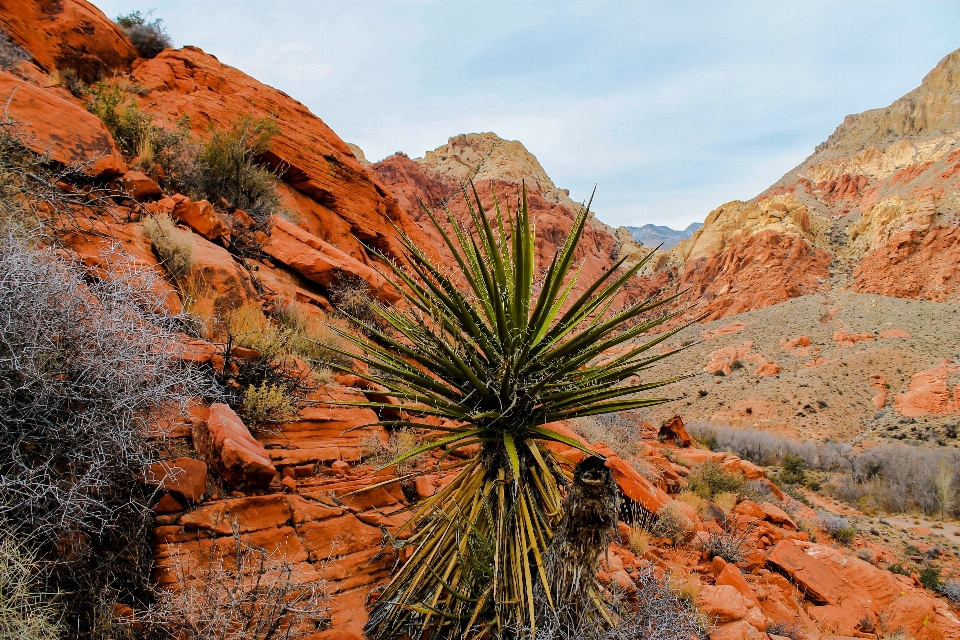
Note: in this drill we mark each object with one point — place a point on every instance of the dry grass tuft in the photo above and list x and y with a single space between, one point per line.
173 246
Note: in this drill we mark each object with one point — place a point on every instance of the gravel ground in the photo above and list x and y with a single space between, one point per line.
833 399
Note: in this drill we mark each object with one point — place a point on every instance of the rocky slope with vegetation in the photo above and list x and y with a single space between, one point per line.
193 237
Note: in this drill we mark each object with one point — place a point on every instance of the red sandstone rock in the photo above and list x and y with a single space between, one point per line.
186 477
67 34
848 339
894 333
734 327
674 430
799 345
820 585
139 186
913 265
346 200
723 603
723 359
226 444
201 217
319 261
64 130
755 272
927 393
880 384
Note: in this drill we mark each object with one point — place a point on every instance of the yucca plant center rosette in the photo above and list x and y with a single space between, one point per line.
496 354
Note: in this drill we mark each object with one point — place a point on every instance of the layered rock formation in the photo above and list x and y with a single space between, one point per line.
288 489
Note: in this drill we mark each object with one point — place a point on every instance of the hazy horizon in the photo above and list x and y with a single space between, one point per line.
671 110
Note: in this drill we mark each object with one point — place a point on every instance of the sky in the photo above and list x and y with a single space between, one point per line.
670 108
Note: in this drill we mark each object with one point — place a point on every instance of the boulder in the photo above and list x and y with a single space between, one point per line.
674 430
201 217
722 603
321 262
738 630
139 186
65 131
820 585
185 477
226 444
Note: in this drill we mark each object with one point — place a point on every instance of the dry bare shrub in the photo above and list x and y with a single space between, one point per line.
401 441
837 526
10 52
672 523
26 613
87 367
731 543
172 245
313 335
653 611
240 593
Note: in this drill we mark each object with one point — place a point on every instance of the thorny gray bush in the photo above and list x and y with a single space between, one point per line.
87 366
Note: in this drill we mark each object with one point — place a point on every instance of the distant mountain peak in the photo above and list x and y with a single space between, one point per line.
651 235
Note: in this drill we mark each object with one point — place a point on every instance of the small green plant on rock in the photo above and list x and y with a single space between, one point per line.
710 479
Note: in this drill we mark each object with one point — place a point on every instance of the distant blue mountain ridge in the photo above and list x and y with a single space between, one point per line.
651 235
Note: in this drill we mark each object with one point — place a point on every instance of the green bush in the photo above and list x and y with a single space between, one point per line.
228 166
930 578
793 470
710 479
149 37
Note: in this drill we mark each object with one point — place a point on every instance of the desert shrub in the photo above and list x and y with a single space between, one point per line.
895 478
837 526
352 297
726 501
267 403
639 541
10 52
378 453
173 246
228 166
951 589
930 578
653 612
617 431
149 37
140 141
26 613
710 479
793 470
672 523
87 366
240 592
731 543
787 630
313 336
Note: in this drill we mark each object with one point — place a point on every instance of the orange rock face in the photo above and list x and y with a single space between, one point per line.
312 159
319 261
65 130
723 360
756 272
67 34
912 265
928 394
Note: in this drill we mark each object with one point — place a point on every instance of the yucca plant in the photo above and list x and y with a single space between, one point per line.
486 353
